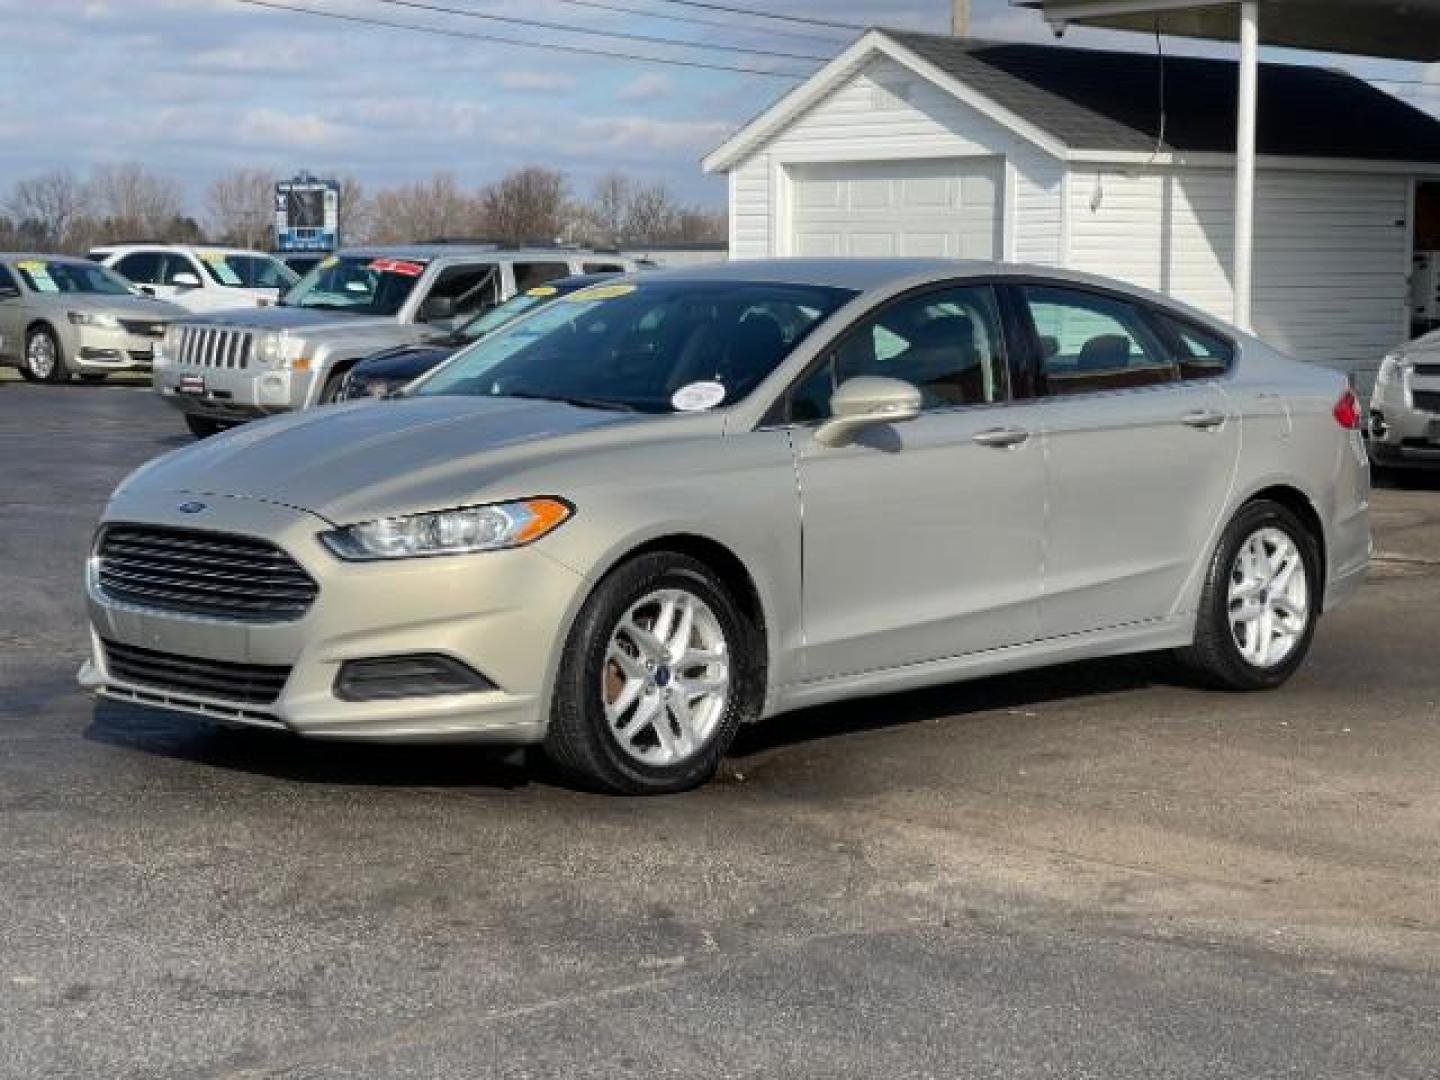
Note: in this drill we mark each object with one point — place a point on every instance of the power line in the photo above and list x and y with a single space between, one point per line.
754 13
540 24
694 20
583 50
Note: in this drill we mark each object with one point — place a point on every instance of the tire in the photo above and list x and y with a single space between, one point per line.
93 376
613 721
43 361
202 427
330 393
1260 652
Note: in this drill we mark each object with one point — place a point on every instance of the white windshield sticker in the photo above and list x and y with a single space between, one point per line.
697 397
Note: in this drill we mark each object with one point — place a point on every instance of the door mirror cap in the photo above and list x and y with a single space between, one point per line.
867 401
185 280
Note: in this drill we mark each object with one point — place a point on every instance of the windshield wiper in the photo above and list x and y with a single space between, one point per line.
580 402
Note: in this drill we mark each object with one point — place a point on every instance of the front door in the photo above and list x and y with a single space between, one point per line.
921 540
1140 459
12 316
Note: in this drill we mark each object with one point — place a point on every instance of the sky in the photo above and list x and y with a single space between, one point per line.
194 88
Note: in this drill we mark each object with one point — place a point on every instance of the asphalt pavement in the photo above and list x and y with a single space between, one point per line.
1083 872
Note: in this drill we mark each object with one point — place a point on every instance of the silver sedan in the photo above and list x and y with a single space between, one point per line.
666 506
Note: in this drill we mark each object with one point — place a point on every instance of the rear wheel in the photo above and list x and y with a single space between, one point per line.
659 671
43 361
202 427
1260 602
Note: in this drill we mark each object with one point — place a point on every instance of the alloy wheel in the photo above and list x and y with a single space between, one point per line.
40 356
1269 598
665 682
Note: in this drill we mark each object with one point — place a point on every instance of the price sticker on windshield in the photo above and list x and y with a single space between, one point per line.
542 290
398 266
600 292
328 261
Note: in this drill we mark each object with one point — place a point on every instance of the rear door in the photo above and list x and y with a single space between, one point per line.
921 540
1139 458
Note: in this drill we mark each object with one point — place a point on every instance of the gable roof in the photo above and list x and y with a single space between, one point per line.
1091 100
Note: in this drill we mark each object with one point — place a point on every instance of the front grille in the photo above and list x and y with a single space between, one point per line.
1426 400
251 684
202 573
148 328
214 347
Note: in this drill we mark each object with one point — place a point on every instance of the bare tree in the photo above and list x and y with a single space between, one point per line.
610 206
528 205
651 215
46 211
131 202
241 208
423 210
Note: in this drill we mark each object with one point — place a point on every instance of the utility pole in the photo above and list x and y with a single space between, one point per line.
960 18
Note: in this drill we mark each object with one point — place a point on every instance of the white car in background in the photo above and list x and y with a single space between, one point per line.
200 279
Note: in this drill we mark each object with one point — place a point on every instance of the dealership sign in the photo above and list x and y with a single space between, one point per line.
307 215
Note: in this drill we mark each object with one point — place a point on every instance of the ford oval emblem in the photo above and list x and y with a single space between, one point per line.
191 507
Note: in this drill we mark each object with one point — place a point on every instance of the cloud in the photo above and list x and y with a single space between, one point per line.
644 87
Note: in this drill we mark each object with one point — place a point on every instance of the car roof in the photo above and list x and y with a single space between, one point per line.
849 273
160 245
492 251
42 256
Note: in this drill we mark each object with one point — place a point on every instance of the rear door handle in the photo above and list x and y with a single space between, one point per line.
1001 438
1206 420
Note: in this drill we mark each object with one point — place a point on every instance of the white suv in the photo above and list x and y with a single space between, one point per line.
199 279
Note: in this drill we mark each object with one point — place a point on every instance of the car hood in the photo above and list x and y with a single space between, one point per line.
279 317
125 307
350 463
401 362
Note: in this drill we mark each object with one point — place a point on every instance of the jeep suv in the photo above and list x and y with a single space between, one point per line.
224 369
199 279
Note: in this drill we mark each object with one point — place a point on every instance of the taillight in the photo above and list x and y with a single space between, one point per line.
1347 411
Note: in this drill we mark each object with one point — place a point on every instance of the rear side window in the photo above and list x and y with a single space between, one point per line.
1090 342
1202 355
528 275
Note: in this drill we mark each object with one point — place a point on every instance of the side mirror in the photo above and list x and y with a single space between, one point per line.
437 309
867 401
185 280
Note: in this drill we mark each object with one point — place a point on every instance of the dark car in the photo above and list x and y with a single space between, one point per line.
386 371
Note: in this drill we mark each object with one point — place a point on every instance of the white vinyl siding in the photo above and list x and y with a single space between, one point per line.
886 112
1330 249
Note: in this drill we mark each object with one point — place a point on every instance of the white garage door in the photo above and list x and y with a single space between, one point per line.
946 208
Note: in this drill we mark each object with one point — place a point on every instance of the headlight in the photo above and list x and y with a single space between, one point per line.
268 348
450 532
100 319
1392 368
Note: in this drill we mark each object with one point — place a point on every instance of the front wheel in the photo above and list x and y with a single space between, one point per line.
659 671
43 362
1260 602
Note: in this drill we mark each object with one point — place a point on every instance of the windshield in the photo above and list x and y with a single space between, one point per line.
509 311
359 284
651 347
235 271
54 276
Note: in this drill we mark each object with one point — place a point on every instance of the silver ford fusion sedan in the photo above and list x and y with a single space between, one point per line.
666 506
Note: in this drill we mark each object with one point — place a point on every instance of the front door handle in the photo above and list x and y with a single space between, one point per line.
1001 438
1205 420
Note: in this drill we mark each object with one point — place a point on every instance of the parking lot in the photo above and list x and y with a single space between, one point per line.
1087 871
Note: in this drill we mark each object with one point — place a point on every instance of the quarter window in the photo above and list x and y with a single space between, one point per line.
945 342
1089 341
528 275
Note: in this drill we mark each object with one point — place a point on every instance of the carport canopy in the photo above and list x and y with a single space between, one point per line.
1388 29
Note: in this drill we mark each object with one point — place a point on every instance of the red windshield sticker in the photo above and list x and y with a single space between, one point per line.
398 266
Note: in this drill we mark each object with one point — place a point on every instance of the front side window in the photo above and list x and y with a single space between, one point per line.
654 347
1090 341
56 276
946 343
142 267
357 285
180 271
8 288
466 291
235 271
528 275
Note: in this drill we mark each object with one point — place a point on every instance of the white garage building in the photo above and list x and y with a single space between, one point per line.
923 145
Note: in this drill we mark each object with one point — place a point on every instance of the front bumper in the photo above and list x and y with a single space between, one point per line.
1402 434
231 394
503 614
99 349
